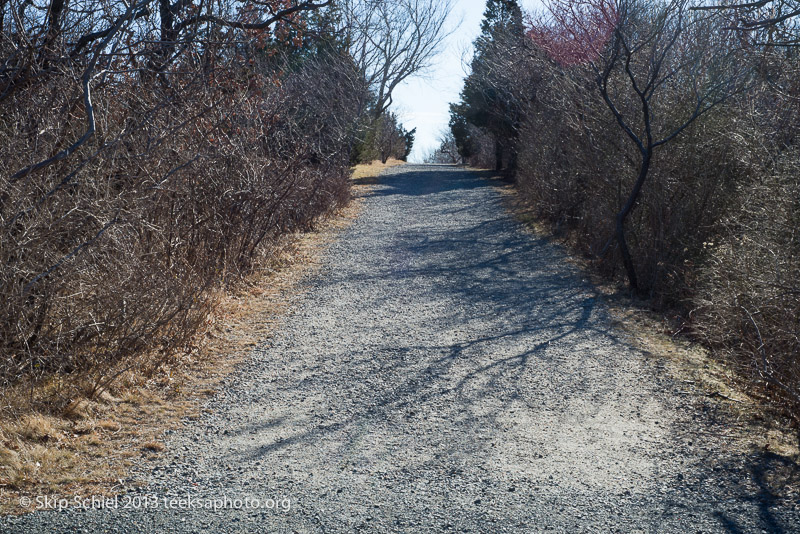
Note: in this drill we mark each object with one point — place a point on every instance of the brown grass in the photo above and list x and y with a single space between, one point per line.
154 446
367 173
89 447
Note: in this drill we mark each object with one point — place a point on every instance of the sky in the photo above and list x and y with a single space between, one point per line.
422 102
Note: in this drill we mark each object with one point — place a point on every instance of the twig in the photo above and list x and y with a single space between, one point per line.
718 394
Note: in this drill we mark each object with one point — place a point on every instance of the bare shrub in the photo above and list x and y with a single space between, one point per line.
713 233
140 175
748 291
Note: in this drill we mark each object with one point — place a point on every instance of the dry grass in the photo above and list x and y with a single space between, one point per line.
757 426
367 173
154 446
89 446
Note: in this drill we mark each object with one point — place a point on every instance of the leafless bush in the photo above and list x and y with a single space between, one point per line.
748 295
142 173
713 233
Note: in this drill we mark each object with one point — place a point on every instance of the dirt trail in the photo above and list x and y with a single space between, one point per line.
447 371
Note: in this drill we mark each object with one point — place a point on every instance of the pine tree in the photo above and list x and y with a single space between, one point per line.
500 16
408 136
486 97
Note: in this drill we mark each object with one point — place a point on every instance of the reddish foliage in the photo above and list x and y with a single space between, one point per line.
289 31
576 31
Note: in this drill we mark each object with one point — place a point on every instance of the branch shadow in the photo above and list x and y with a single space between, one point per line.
488 308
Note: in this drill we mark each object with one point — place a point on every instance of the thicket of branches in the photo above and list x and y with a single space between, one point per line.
446 152
661 136
154 151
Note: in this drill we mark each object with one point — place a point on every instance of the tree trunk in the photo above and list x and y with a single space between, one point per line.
622 216
498 155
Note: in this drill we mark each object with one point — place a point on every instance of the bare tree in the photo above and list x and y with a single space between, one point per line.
712 218
447 152
92 38
641 53
770 22
391 40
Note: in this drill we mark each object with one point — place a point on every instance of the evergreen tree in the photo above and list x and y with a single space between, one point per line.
486 99
408 136
459 127
500 17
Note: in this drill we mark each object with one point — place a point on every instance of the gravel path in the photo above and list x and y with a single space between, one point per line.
447 372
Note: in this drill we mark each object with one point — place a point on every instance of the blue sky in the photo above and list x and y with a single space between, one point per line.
422 102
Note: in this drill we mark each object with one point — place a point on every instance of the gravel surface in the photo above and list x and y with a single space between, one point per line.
447 371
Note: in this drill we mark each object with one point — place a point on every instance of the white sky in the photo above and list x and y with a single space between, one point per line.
422 102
